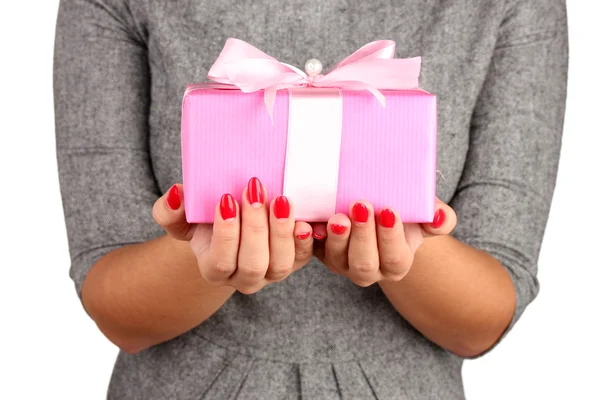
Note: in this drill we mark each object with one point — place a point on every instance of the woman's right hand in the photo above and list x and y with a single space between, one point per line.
246 250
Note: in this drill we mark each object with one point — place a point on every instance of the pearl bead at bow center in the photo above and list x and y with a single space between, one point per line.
313 67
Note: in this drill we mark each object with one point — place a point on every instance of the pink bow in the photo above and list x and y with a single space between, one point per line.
372 67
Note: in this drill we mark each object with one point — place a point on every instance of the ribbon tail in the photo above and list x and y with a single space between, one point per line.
378 95
270 94
357 85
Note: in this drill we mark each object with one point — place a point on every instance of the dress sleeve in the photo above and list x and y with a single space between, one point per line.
504 195
101 95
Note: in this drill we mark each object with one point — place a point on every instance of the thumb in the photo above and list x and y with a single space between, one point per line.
444 220
168 212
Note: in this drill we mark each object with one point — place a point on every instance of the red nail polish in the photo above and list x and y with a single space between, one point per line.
255 191
173 198
439 219
318 237
303 236
228 209
281 207
338 229
360 212
387 218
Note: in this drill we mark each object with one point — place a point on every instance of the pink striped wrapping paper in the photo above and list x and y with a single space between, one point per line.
387 156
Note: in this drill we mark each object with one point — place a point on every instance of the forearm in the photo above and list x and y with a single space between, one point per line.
459 297
144 294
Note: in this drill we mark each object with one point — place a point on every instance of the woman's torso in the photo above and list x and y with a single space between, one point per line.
315 335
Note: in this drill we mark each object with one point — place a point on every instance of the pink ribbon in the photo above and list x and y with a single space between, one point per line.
372 68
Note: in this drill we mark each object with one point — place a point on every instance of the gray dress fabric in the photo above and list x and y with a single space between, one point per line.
499 70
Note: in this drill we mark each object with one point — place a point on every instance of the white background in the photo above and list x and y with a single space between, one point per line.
50 349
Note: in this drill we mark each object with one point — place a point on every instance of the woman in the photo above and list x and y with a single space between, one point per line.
223 316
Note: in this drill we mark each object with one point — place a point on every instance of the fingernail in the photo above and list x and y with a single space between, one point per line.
387 218
228 209
281 207
303 236
256 196
338 229
439 218
318 237
173 198
360 212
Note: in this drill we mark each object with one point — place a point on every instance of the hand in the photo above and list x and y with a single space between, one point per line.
246 250
368 251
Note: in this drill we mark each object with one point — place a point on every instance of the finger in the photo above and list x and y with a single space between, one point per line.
253 256
413 234
363 256
319 249
222 254
444 220
336 245
303 240
319 235
281 239
168 212
319 230
200 241
395 256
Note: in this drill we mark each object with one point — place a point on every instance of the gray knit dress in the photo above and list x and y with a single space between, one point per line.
499 70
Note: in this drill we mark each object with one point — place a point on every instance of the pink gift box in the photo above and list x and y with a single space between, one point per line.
387 154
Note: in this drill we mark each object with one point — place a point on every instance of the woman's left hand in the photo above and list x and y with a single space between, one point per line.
369 248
